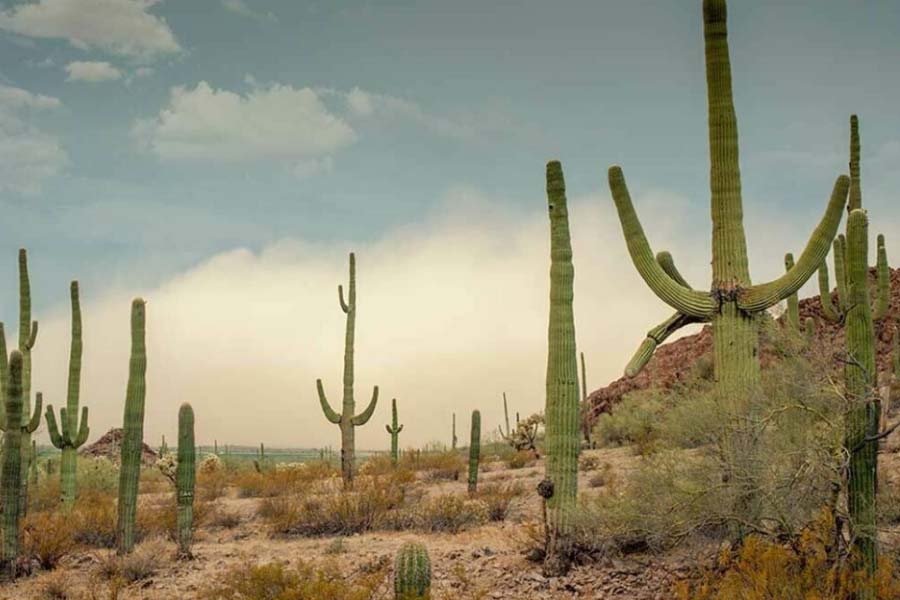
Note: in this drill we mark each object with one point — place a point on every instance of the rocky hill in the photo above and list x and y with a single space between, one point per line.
673 362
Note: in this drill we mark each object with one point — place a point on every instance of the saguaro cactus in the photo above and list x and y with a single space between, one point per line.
585 407
72 435
11 476
505 436
453 442
882 300
562 411
394 429
133 431
185 474
474 451
792 314
860 378
412 572
347 420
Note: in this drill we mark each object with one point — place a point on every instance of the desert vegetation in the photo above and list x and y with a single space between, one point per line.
770 470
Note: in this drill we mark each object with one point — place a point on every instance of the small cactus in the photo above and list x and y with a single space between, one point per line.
133 432
412 573
453 443
474 451
394 430
185 475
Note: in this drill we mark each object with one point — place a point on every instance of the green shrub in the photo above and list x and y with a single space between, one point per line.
275 581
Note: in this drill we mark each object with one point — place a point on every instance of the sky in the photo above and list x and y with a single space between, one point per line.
221 157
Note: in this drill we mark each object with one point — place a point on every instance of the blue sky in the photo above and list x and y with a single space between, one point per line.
143 139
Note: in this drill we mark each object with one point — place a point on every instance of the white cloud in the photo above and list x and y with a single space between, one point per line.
92 71
28 156
313 166
276 123
239 7
385 108
121 27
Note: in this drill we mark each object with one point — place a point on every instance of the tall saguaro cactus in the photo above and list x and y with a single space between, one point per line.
562 412
860 378
347 420
474 450
11 476
506 435
882 301
133 430
72 435
394 430
185 475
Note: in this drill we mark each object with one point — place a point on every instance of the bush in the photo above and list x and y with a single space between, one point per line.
450 513
94 518
498 499
520 459
97 475
763 570
275 581
48 537
145 561
634 421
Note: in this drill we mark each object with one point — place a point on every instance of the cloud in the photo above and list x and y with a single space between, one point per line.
276 123
92 71
386 108
120 27
239 7
28 156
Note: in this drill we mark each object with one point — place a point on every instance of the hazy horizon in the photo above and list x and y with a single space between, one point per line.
221 159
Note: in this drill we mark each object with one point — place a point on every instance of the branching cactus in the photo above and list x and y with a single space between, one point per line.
347 419
185 475
73 434
11 476
734 304
860 379
133 431
882 302
394 430
412 573
562 414
505 436
28 330
474 451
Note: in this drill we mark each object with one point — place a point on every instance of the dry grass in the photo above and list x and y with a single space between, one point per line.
498 499
147 559
450 513
48 537
276 581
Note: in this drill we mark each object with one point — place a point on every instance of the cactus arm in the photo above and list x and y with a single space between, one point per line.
655 337
64 421
35 420
792 315
855 194
32 336
665 260
364 416
809 330
883 285
344 306
399 428
758 298
55 438
828 309
84 429
326 407
840 270
688 301
4 369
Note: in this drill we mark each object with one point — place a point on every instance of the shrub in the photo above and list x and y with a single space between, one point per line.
145 561
94 518
97 475
56 586
48 537
520 459
603 477
441 466
498 499
633 421
450 513
275 581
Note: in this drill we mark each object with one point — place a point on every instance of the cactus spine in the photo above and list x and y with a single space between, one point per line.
412 573
346 419
562 411
882 300
394 430
860 378
133 431
72 435
474 451
11 476
185 474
